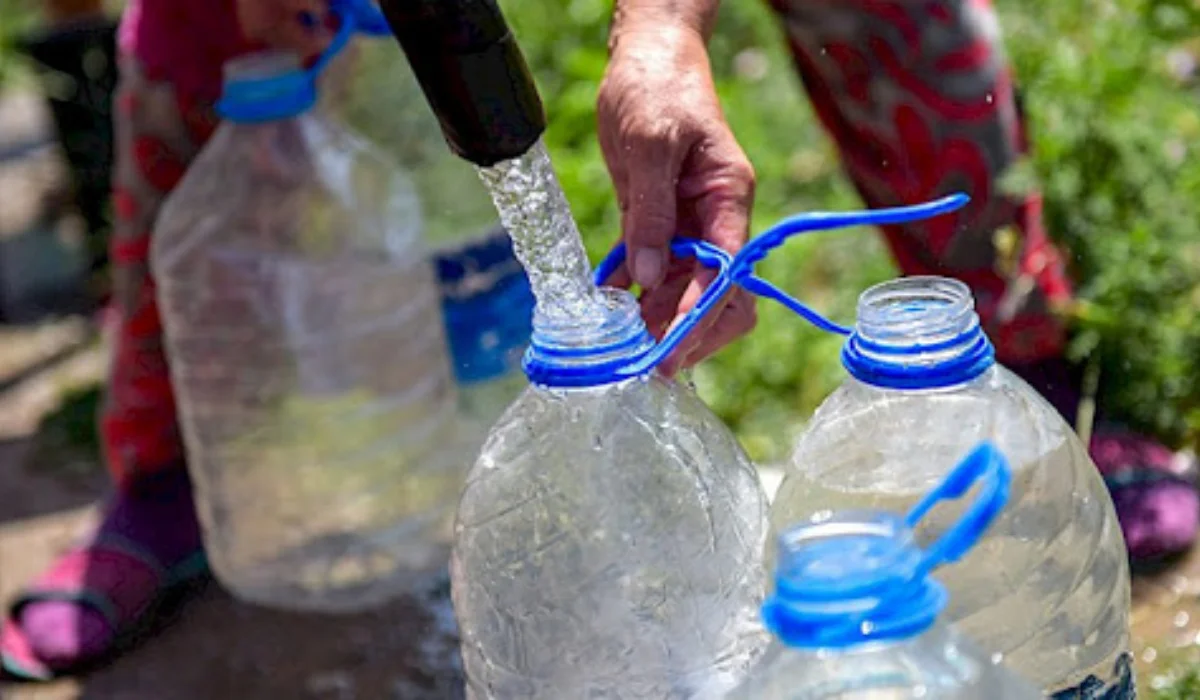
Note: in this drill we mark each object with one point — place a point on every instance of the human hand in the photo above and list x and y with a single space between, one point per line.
677 169
301 26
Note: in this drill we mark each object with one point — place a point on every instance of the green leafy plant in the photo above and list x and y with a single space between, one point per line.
16 16
1116 129
1114 119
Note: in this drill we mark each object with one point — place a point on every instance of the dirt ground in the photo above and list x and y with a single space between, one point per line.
217 647
214 646
50 364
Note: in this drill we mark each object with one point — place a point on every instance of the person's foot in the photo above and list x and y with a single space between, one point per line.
1154 491
147 543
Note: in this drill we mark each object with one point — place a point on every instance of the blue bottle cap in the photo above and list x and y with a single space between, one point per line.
850 578
258 96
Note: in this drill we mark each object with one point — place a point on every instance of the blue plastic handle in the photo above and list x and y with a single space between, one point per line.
887 591
985 464
706 254
354 17
739 270
757 249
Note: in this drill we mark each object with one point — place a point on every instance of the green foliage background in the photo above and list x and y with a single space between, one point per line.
1112 94
1117 132
1114 117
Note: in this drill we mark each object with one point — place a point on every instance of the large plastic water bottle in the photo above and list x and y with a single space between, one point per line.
609 539
486 298
856 610
307 351
1048 588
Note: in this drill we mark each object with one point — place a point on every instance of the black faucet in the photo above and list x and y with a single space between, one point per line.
472 73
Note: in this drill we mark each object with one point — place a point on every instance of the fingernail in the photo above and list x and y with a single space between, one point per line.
647 267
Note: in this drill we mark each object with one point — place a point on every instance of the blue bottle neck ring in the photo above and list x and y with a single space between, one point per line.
598 349
626 350
853 578
875 353
917 333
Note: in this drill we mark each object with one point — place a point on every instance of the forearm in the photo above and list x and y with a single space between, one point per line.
652 15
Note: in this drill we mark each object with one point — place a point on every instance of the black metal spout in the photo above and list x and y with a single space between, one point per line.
472 73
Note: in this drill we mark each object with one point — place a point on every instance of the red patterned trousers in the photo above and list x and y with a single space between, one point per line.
158 133
915 93
919 99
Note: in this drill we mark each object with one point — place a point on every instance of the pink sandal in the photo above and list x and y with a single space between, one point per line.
112 577
1154 491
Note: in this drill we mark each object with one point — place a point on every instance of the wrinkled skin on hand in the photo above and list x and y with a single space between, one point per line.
678 171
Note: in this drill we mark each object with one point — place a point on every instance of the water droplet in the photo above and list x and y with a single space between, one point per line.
1149 655
1182 63
1181 619
751 65
991 98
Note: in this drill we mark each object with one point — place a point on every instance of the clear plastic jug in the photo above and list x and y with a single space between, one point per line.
1049 586
307 352
855 613
609 540
486 298
1047 589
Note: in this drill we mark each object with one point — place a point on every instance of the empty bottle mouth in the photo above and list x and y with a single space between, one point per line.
918 333
849 578
587 350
